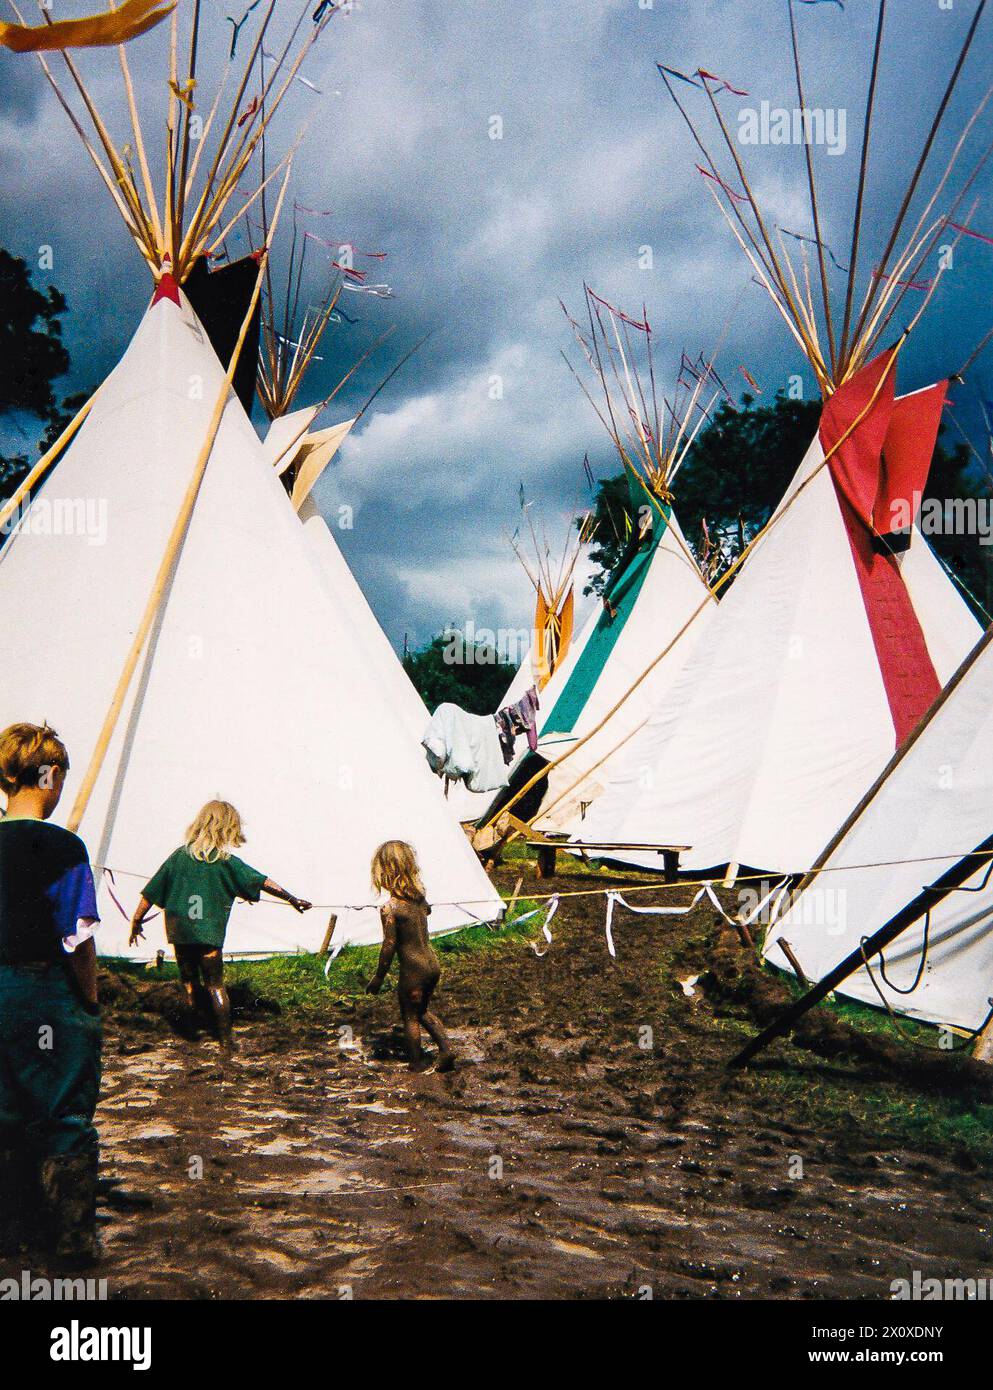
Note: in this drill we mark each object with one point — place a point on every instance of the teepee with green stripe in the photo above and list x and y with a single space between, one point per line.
656 585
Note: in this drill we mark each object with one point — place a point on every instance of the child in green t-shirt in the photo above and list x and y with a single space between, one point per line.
196 888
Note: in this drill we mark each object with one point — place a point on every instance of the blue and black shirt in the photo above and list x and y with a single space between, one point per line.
46 889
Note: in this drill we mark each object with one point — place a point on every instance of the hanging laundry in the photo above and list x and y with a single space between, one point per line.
520 718
465 748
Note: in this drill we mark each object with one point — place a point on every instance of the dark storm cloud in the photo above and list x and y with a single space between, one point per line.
485 235
20 92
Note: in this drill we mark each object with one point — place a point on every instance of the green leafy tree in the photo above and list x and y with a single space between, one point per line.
451 671
740 466
33 357
612 517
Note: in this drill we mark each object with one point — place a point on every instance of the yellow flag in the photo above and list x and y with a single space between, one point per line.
94 31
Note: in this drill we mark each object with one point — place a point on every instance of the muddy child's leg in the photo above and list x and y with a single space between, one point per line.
431 1021
188 961
213 974
411 1007
446 1057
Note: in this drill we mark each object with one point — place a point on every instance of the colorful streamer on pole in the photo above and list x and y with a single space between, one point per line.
715 178
679 76
723 84
236 25
619 313
813 241
968 231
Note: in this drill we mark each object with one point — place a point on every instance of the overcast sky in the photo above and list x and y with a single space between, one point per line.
484 236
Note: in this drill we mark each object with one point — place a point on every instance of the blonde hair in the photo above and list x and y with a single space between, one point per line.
28 753
215 832
395 871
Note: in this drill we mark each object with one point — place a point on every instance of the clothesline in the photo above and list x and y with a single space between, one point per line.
778 878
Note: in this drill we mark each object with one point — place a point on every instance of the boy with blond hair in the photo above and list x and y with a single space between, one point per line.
50 1033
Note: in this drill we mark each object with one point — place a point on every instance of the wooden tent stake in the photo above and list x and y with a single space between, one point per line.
326 943
983 1050
790 955
176 538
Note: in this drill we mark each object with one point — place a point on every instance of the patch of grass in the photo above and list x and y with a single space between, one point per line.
888 1113
298 982
868 1019
483 938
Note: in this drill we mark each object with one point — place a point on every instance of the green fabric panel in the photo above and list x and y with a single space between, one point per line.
623 591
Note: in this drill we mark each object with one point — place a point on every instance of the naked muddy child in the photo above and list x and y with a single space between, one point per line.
405 934
196 888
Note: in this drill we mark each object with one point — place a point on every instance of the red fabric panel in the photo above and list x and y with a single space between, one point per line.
907 454
855 466
166 289
909 678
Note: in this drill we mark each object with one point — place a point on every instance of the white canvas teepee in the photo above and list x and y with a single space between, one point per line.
930 808
290 442
655 600
604 661
254 684
384 665
822 656
840 628
299 453
595 677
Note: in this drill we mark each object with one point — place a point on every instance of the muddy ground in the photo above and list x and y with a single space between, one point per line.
572 1155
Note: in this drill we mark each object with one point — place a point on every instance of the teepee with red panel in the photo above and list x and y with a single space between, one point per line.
841 626
834 641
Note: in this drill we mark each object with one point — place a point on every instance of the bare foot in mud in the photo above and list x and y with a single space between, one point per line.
445 1062
420 1064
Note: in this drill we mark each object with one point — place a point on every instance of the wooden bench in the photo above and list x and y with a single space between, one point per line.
548 850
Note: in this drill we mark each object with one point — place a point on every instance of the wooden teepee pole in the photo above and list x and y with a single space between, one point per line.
46 461
173 546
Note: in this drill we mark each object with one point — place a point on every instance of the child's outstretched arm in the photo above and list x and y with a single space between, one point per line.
301 904
387 953
140 913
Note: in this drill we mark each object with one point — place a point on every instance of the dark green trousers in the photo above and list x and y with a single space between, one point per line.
49 1064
